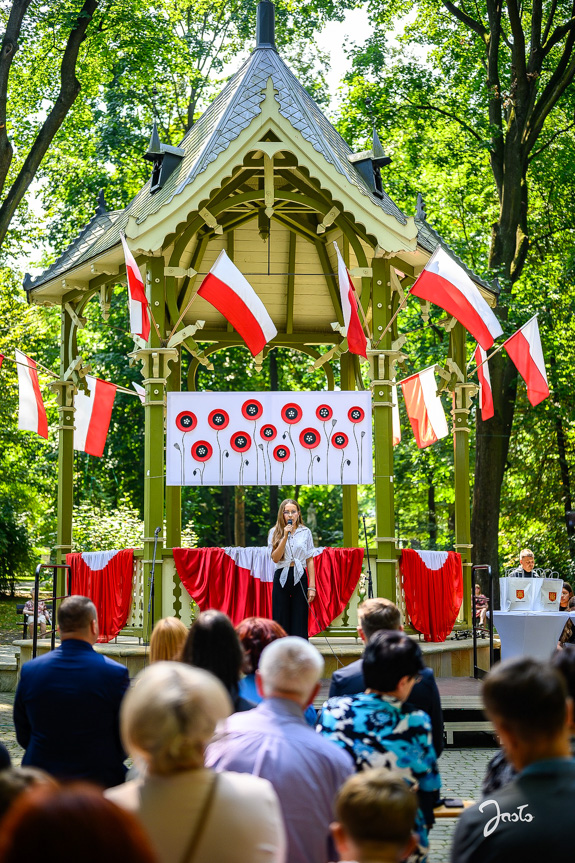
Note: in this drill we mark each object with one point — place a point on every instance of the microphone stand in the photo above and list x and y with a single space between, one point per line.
369 578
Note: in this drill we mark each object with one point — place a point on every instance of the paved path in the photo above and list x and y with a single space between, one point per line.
461 771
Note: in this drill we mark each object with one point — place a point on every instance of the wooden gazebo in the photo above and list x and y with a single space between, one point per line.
264 175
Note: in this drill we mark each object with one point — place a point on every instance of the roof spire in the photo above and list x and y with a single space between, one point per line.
154 147
265 26
376 147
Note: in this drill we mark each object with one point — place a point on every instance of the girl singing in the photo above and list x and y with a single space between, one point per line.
291 549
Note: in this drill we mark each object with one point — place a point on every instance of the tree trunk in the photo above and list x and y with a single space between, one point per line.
562 450
492 448
431 515
227 515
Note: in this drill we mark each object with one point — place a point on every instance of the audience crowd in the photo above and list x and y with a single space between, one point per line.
231 762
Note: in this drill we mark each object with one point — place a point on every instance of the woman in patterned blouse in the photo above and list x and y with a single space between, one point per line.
378 729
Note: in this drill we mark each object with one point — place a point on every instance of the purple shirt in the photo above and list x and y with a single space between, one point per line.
306 770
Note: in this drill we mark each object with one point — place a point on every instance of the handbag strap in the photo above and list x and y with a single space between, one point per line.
200 827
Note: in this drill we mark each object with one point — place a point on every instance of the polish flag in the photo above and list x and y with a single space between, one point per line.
485 391
137 300
93 414
447 285
356 341
31 410
395 416
524 348
233 296
424 408
141 392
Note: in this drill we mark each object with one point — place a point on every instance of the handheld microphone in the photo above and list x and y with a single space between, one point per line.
290 523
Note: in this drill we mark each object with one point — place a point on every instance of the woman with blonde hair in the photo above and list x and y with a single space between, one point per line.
290 544
168 637
192 814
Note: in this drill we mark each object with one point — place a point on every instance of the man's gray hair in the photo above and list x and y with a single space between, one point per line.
290 665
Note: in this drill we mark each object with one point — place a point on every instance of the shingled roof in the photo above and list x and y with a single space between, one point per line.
223 121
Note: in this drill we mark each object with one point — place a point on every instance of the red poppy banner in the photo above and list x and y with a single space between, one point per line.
269 438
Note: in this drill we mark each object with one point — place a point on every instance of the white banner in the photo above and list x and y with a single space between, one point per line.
269 438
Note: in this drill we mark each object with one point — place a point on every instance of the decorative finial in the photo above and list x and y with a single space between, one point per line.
101 205
265 25
376 147
420 208
154 147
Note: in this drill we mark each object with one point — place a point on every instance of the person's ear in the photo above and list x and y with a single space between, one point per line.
313 694
259 686
341 840
410 847
361 633
569 705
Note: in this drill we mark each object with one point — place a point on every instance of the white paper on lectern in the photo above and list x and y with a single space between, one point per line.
537 594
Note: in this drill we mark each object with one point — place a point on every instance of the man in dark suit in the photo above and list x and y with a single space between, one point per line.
375 615
67 703
530 818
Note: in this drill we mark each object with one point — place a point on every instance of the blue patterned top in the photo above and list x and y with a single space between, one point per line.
380 731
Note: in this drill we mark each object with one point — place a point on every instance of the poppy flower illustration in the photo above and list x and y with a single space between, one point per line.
202 451
218 419
356 414
310 439
291 413
241 442
186 421
282 454
324 413
252 409
268 433
340 440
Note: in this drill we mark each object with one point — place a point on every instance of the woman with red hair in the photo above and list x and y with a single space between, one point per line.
69 824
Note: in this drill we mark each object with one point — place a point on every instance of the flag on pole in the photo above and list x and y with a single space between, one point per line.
31 410
232 295
137 300
141 392
485 391
395 416
356 340
424 408
93 415
1 358
524 348
447 285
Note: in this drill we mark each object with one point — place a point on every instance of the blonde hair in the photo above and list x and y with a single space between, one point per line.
170 714
280 523
168 637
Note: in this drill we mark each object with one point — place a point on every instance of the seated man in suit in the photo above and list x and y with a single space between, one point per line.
68 701
375 615
529 819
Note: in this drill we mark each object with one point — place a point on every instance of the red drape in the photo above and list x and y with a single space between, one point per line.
433 597
214 580
110 589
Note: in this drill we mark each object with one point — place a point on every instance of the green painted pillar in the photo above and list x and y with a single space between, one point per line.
382 358
349 492
174 492
65 391
463 392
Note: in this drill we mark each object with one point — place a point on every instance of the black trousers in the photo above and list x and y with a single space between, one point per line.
289 604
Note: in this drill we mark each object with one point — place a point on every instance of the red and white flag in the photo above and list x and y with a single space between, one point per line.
485 391
356 340
93 414
141 392
447 285
137 300
232 295
424 408
31 410
396 427
524 348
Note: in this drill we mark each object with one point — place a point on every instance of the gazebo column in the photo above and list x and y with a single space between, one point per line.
349 492
381 358
155 370
65 391
463 393
174 492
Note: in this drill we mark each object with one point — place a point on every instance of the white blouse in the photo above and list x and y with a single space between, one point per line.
299 548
